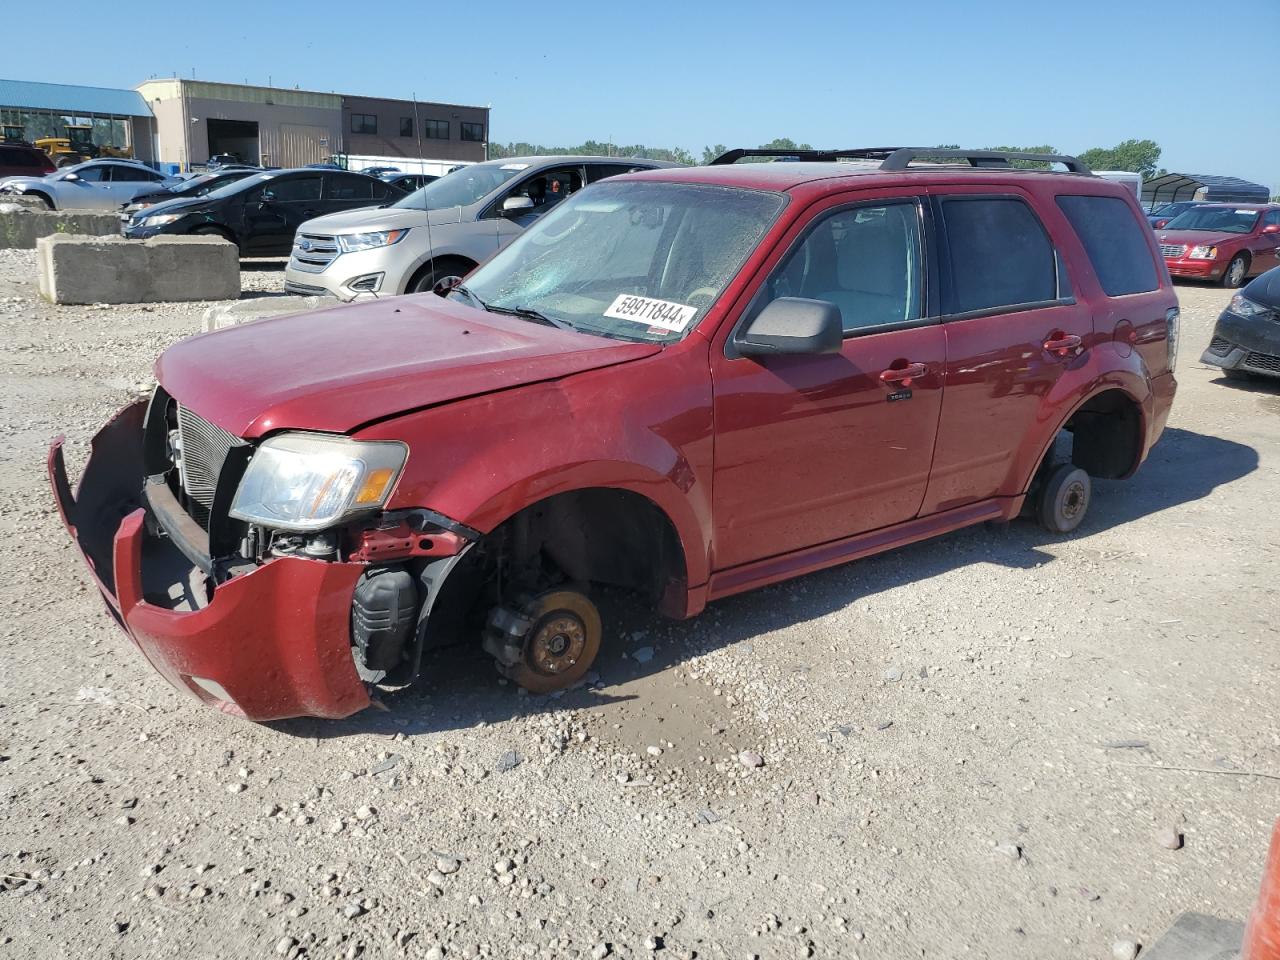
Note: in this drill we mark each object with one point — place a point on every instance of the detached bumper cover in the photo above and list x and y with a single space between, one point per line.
275 641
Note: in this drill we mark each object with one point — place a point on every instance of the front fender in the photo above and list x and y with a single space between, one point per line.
642 426
1107 366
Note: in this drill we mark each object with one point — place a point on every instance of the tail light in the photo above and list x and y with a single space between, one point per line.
1171 320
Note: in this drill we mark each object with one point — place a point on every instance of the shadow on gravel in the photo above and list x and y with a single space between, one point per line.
1263 386
458 688
263 266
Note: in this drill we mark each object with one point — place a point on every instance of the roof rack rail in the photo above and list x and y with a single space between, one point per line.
900 158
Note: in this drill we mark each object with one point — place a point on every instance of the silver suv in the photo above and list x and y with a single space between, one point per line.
444 229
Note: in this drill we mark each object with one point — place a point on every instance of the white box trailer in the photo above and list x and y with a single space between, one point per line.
1131 180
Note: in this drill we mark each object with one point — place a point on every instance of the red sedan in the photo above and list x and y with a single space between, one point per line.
1226 242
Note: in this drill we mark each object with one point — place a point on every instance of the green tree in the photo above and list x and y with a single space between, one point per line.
1136 156
710 153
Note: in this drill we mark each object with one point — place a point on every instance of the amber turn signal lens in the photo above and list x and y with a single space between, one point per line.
374 487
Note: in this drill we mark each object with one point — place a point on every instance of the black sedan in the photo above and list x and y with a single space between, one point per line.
408 182
198 186
261 213
1246 339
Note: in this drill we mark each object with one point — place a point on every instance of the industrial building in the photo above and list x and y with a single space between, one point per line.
283 127
102 116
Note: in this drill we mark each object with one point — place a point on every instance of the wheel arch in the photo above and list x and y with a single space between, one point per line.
1116 391
464 263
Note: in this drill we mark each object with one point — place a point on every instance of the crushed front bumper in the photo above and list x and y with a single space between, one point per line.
268 644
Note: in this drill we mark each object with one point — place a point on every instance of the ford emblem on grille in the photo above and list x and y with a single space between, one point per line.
304 245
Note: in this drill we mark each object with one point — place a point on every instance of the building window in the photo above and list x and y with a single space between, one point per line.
435 129
406 126
364 123
473 132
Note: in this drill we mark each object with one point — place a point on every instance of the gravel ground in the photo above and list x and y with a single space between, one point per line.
964 747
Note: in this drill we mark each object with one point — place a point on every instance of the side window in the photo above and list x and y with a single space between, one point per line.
123 174
999 253
1272 219
1116 244
92 174
599 171
345 186
547 189
298 188
382 190
865 259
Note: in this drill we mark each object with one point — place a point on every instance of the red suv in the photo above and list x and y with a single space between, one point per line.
1227 242
686 382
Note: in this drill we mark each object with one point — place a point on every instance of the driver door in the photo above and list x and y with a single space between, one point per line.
274 211
812 449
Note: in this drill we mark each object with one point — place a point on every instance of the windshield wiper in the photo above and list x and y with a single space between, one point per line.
466 292
528 313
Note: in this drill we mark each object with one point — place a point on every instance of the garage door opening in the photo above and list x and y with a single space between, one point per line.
236 137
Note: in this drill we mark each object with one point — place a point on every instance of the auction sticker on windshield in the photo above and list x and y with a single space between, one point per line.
654 313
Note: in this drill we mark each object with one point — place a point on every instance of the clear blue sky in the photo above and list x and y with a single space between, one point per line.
1199 78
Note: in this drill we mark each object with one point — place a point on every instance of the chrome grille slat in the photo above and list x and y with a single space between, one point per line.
204 449
314 251
1174 250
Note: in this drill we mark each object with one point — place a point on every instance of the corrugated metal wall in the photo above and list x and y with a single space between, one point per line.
299 144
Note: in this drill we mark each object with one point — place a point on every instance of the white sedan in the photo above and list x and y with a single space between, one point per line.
92 185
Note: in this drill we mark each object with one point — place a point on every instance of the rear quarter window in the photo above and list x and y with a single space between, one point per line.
1115 242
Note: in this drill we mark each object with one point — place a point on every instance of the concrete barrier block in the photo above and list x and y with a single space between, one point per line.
260 308
21 227
76 269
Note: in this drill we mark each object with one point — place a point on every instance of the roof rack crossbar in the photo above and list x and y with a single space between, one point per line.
900 158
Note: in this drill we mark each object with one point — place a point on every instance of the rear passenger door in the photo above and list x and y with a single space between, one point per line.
350 191
1012 328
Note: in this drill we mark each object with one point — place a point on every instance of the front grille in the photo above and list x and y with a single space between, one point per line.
1263 361
314 251
1172 250
204 448
1219 346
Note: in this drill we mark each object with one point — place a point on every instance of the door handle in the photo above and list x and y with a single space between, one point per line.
1062 343
904 375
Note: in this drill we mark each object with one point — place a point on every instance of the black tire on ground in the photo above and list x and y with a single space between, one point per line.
1234 275
561 643
47 202
1064 499
1237 374
426 280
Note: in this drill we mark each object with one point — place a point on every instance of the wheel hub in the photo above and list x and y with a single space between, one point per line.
1073 500
556 643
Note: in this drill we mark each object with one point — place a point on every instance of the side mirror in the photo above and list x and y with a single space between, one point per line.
1271 228
265 198
516 205
71 176
793 325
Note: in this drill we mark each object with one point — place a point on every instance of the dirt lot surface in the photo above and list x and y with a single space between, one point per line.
968 746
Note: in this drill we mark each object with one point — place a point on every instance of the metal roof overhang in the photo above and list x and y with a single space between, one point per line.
1185 186
74 100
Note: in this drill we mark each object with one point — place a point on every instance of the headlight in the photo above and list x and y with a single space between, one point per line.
351 242
1242 306
308 481
1203 253
160 219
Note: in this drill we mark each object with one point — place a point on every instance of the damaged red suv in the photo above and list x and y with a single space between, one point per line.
686 382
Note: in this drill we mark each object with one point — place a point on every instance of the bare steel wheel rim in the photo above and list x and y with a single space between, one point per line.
556 643
1074 500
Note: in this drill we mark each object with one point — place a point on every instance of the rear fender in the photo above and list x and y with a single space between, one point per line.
1103 368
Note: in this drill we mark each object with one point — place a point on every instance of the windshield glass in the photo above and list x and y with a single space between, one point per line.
1215 219
193 185
633 260
1170 209
462 187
